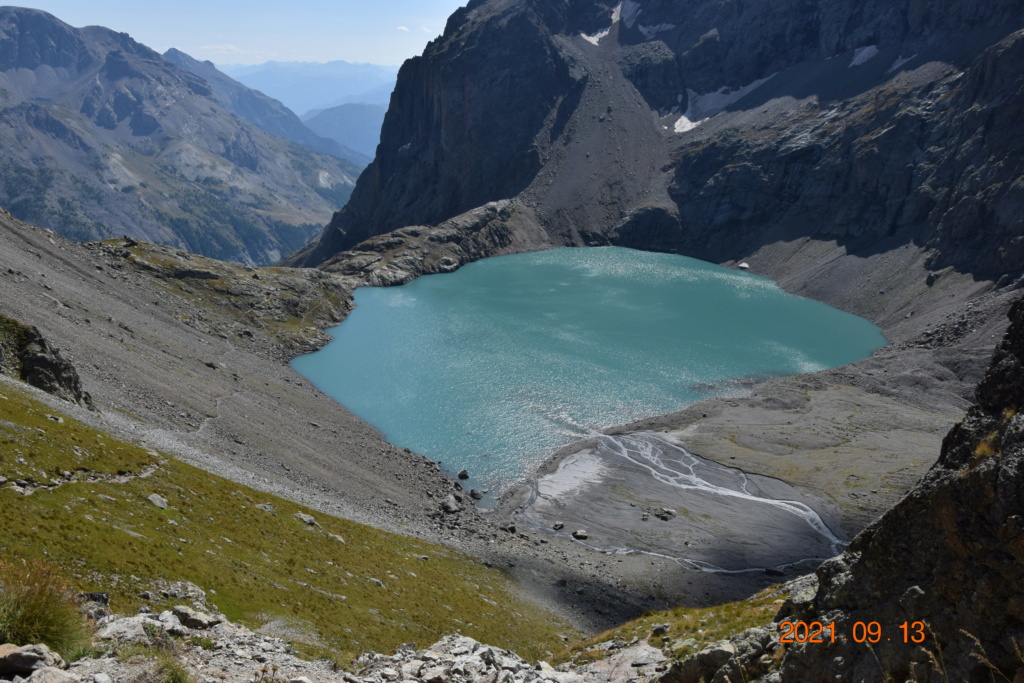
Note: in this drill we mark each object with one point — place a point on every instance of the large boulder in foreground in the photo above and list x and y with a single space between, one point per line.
27 355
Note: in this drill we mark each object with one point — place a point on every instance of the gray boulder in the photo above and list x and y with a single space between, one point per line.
158 500
450 505
22 661
51 675
702 666
308 519
193 618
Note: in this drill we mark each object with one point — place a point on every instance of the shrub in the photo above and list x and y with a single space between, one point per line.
37 605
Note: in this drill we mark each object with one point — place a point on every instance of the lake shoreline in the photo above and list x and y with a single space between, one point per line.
489 367
802 419
926 375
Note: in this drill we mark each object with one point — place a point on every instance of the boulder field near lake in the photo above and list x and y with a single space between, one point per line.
862 154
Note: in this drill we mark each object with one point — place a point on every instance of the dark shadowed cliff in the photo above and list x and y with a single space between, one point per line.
722 130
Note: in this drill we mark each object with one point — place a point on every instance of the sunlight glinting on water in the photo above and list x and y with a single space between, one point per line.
492 367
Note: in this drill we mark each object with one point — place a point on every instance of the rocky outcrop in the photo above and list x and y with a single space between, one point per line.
235 652
929 592
100 137
27 355
403 255
43 366
947 561
28 659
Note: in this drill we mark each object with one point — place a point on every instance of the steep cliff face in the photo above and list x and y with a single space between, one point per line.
715 129
459 131
948 560
100 136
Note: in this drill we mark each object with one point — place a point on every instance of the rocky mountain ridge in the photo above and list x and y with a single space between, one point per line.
260 110
725 131
103 137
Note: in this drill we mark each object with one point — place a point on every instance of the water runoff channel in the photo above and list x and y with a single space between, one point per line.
713 518
495 367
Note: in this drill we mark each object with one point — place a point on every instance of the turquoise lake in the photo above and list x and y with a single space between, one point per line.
492 367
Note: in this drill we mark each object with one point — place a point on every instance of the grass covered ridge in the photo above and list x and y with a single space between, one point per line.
690 629
287 305
343 587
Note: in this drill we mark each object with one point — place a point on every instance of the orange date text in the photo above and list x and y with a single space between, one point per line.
870 632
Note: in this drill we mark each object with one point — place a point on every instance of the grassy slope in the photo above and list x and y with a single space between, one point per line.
260 566
690 629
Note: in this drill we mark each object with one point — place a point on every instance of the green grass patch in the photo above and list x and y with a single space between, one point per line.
88 511
690 629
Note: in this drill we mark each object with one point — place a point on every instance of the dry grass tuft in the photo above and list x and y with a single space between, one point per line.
37 605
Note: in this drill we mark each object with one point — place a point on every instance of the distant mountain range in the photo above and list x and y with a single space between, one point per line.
101 136
307 86
355 125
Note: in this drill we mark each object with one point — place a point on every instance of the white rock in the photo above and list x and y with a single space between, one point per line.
51 675
158 500
124 629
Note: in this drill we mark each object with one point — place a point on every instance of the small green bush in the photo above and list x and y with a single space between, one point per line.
37 605
171 671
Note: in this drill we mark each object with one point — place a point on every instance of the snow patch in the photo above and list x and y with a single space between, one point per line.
863 54
629 11
616 13
626 11
596 38
702 107
900 62
651 31
684 124
576 472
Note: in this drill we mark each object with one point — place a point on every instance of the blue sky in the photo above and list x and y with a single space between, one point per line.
254 31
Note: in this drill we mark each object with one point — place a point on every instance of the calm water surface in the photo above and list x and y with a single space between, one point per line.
493 366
